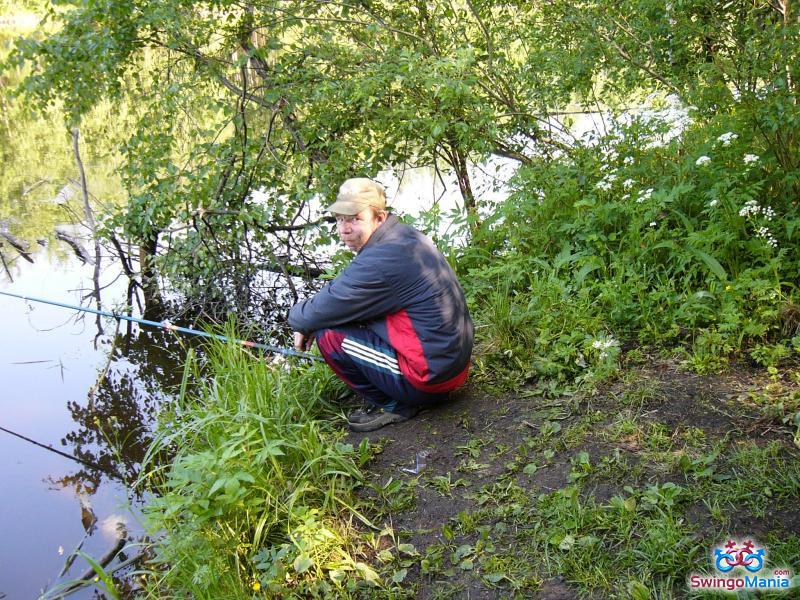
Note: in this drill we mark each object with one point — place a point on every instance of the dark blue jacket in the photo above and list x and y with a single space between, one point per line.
401 287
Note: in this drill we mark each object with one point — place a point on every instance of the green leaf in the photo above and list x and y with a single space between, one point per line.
368 573
245 476
530 469
337 575
232 486
638 591
385 556
407 549
302 563
217 485
464 550
399 576
586 269
712 263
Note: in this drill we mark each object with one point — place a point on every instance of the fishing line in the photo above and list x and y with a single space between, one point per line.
168 326
59 452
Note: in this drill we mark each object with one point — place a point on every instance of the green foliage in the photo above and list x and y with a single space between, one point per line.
258 491
39 189
245 115
692 240
287 99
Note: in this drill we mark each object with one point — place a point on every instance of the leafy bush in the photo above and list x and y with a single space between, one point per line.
691 240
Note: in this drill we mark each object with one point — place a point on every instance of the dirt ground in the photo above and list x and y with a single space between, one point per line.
475 435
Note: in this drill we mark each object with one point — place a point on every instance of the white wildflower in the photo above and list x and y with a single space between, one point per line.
713 203
750 158
766 235
727 138
603 346
626 196
628 160
703 160
750 208
628 183
603 185
768 213
653 223
645 195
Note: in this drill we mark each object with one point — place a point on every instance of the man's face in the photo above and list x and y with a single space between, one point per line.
355 230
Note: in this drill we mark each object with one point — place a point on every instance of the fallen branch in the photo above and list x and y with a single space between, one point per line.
80 251
90 574
17 244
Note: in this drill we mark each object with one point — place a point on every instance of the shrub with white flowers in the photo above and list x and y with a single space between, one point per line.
703 160
752 210
727 138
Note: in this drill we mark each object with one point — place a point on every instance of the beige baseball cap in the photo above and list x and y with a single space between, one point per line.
356 194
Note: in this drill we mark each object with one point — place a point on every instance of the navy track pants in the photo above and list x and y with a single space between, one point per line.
368 365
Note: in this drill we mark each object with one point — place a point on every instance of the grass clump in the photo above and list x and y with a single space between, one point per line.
258 494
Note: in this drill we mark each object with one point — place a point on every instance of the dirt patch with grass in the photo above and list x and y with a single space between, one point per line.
589 494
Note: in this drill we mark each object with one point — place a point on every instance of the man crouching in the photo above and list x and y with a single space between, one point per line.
394 324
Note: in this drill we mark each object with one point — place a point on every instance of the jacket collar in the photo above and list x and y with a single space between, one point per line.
381 232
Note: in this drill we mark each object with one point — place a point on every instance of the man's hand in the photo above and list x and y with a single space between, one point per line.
303 342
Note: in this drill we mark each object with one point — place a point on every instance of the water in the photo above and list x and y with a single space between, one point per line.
49 362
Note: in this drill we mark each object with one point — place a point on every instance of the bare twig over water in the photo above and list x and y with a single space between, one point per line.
92 226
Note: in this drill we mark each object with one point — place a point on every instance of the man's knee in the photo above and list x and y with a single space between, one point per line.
329 341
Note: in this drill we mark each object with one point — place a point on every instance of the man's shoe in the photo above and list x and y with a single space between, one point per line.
377 418
364 413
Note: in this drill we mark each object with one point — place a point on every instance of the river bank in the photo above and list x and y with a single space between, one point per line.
621 491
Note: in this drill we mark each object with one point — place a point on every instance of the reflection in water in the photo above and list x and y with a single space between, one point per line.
113 426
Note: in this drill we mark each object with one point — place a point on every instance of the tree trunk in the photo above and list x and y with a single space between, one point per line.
153 303
459 164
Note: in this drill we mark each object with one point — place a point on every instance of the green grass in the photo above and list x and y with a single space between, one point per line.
259 491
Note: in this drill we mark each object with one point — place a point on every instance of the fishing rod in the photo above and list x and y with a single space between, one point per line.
166 325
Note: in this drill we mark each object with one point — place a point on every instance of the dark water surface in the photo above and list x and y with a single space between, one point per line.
50 363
